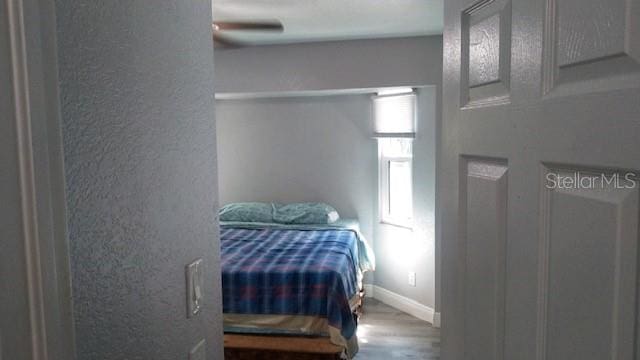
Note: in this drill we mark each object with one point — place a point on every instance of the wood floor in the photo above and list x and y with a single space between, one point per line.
385 333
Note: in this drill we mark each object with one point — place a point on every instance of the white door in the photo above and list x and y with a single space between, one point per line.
540 244
35 304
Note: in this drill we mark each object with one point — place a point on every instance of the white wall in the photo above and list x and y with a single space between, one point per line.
299 149
402 250
136 81
354 64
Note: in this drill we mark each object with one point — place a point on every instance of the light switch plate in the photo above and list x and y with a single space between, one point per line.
412 278
198 351
194 287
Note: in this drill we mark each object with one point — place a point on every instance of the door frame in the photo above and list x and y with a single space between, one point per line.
34 89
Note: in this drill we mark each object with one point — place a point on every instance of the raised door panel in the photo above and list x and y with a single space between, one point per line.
590 30
588 265
591 45
486 53
484 202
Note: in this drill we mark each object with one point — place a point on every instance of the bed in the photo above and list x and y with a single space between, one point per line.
294 280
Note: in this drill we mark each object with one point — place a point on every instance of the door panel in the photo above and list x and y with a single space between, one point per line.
484 201
533 90
588 263
591 40
486 35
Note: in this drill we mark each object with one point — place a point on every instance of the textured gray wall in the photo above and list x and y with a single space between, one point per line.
136 81
299 149
352 64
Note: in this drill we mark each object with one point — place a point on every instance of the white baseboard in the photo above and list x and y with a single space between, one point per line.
402 303
436 320
368 290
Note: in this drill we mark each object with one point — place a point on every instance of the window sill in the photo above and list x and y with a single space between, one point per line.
397 225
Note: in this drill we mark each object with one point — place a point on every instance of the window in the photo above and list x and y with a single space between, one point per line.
395 126
395 165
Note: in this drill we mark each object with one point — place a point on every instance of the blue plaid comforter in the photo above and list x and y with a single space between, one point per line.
291 272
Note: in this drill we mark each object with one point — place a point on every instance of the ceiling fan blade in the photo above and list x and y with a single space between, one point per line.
273 25
226 42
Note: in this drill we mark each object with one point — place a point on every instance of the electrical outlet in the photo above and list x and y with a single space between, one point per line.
194 287
412 278
197 353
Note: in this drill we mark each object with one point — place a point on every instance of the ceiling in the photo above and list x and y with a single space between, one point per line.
324 20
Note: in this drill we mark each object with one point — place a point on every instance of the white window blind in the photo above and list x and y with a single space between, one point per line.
394 115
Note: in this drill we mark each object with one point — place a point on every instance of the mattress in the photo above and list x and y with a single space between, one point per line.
293 279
